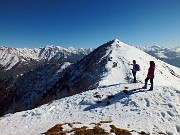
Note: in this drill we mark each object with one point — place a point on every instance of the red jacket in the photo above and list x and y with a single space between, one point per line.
151 72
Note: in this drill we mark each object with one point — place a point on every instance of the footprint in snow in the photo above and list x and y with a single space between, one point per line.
163 114
170 113
147 102
178 128
170 105
24 115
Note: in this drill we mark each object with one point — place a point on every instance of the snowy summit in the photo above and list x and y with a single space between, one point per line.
109 72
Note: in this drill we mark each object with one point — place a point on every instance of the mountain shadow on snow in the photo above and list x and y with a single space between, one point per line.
113 99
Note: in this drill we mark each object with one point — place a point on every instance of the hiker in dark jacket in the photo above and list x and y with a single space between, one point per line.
150 75
134 70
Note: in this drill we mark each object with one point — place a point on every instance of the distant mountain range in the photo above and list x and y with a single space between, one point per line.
16 61
169 55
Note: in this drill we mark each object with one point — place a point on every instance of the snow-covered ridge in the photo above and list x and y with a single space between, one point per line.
118 67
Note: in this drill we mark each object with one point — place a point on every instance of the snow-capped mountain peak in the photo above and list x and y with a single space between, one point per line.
177 49
156 47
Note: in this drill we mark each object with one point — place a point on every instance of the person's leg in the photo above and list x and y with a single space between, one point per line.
152 84
146 82
134 75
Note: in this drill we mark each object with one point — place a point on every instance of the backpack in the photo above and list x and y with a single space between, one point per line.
137 67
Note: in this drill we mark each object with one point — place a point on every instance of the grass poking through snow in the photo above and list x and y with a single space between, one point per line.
84 130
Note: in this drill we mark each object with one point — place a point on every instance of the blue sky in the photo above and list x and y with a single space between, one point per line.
89 23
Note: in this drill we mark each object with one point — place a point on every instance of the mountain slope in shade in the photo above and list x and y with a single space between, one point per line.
103 74
49 82
27 74
168 55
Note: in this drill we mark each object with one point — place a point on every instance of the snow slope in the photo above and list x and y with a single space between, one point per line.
123 55
152 111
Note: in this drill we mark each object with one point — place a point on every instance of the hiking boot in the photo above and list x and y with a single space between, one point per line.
150 89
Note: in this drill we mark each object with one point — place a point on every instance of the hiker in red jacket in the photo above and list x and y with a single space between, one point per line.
150 75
